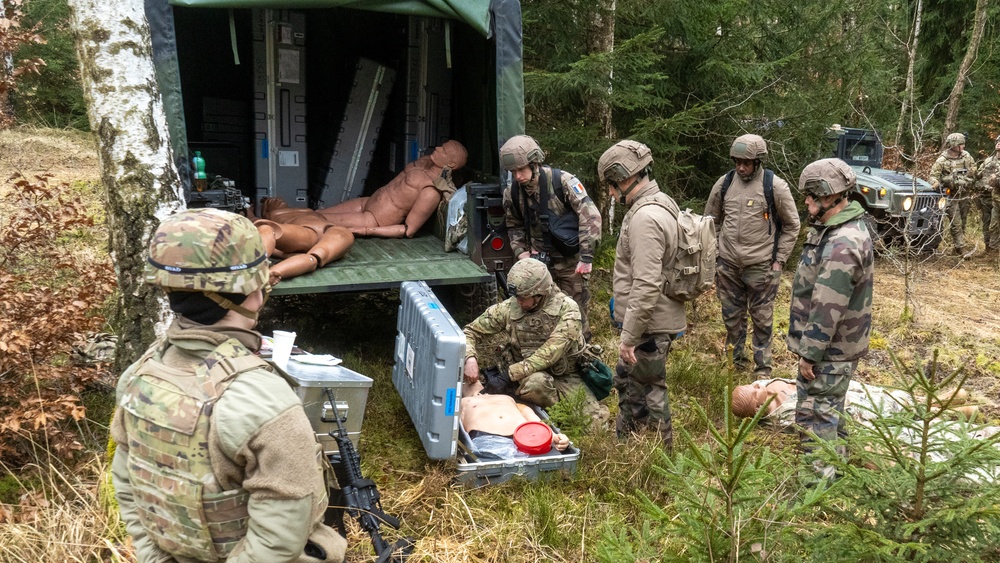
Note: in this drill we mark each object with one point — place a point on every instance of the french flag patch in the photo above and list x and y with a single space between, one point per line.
578 188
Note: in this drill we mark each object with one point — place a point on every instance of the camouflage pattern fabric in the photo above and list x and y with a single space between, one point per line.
180 504
819 407
542 347
750 290
643 400
574 285
958 175
988 184
95 348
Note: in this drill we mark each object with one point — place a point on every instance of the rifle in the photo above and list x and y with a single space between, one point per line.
360 496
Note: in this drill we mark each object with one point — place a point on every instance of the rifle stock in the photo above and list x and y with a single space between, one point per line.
361 497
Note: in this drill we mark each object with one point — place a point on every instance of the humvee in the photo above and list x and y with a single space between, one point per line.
902 210
330 100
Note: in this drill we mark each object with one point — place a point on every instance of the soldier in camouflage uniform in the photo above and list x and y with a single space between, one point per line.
953 174
216 459
831 306
649 320
530 236
988 184
752 249
544 342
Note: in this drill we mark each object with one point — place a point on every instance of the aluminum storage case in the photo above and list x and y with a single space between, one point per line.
430 357
351 391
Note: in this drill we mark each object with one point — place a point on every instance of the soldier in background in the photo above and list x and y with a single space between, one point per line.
953 174
570 214
216 459
757 231
543 344
831 305
649 320
988 184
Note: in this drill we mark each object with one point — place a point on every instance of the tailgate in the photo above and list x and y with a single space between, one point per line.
374 263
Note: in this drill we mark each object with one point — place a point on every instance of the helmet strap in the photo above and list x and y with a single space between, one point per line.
229 305
624 192
824 208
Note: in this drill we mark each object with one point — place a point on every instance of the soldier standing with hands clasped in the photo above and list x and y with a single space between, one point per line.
551 217
757 225
831 306
953 174
649 319
216 459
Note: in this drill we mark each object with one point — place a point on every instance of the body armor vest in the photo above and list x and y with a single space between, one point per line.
179 501
529 331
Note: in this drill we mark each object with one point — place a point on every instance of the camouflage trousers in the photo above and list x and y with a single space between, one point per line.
575 285
742 291
994 224
819 406
544 390
958 211
642 391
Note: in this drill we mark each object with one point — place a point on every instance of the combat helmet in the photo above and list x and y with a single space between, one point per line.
826 177
528 278
623 160
207 250
749 147
954 140
519 151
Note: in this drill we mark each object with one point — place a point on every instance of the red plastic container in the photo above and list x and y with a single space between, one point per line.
533 438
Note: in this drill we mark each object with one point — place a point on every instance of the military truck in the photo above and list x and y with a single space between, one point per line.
329 101
902 210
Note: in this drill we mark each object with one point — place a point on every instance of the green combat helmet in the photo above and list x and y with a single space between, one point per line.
826 177
954 140
623 160
207 250
519 151
528 278
749 147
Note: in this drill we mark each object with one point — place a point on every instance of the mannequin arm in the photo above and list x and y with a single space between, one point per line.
426 204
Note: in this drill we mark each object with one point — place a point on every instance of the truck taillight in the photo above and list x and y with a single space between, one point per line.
496 243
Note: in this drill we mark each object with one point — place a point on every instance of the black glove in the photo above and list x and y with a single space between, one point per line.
497 382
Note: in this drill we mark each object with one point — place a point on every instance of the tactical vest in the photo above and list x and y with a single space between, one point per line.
529 331
179 501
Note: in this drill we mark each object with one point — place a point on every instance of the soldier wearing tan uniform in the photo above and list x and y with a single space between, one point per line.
953 174
569 209
216 459
754 243
649 319
544 342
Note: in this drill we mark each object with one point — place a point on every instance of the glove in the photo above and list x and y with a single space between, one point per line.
496 382
517 372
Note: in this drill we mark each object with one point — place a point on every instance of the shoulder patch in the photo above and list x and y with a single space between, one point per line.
577 187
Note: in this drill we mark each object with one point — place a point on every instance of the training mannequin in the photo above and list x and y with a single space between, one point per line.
498 415
304 242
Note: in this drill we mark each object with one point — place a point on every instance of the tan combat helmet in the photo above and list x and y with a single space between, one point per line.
826 177
207 250
954 140
519 151
623 160
528 278
749 147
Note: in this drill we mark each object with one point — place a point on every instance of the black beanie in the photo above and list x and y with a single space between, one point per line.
199 308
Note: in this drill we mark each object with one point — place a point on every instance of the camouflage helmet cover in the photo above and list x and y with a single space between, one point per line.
954 140
519 151
207 250
826 177
749 147
623 160
529 277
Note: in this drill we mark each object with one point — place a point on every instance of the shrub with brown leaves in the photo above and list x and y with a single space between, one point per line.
46 295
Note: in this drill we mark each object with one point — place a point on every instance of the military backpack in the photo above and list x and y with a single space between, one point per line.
691 271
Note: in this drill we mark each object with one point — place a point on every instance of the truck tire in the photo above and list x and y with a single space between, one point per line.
467 301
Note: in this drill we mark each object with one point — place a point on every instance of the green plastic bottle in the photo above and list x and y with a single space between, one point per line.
200 178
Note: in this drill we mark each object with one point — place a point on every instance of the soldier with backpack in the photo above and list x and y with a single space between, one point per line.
649 318
757 225
550 217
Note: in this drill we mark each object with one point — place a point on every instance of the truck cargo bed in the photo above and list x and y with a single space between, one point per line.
374 263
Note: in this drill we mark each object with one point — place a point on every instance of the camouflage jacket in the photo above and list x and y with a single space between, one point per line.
645 250
956 173
831 304
576 197
988 176
259 440
746 235
555 352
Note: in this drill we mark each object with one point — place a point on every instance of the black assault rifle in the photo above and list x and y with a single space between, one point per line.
360 496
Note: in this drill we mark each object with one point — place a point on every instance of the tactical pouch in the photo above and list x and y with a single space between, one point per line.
596 375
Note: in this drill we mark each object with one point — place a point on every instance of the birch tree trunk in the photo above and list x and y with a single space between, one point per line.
955 99
601 39
911 58
6 73
140 180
